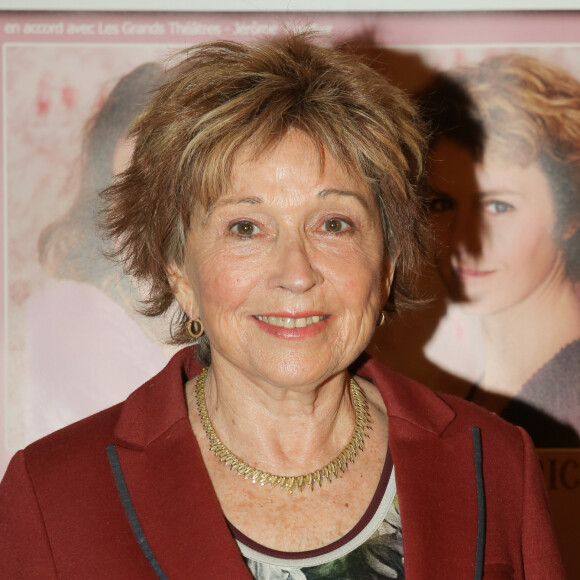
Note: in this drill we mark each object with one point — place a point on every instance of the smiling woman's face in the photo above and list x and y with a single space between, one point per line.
286 270
495 222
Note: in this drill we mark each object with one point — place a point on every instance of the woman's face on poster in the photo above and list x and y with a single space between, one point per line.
495 224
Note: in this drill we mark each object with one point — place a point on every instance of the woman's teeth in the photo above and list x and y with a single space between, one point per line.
287 322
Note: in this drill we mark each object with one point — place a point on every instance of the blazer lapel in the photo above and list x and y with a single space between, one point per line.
168 484
435 474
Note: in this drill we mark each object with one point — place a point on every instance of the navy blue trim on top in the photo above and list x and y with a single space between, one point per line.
131 513
480 545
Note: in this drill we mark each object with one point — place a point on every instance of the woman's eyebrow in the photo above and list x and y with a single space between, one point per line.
499 191
251 200
431 191
255 200
326 192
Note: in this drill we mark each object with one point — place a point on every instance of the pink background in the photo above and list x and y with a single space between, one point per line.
54 81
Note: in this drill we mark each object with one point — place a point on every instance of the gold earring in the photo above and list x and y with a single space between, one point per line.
194 328
382 318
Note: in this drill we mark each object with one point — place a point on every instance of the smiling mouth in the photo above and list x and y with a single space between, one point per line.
289 322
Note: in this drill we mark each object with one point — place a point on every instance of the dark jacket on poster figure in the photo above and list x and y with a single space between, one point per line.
548 404
73 504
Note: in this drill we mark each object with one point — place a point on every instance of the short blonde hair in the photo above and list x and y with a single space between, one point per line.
527 110
222 96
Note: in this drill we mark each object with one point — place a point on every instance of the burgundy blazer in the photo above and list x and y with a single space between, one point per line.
124 494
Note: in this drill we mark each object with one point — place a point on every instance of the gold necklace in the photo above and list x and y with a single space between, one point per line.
289 482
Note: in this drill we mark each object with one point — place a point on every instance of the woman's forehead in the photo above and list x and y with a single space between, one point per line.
294 148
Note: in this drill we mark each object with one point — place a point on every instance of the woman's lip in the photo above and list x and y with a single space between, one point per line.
297 325
301 314
473 273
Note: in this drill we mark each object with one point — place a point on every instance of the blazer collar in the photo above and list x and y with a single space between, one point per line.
432 452
163 394
406 399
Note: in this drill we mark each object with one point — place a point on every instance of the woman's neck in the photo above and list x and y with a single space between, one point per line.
282 430
522 339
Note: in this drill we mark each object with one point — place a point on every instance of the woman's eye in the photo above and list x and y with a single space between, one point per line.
336 225
440 204
498 207
245 229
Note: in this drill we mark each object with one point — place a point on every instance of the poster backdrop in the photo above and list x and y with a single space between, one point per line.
503 326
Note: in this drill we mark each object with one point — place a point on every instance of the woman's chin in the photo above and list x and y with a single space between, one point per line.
473 308
285 369
295 372
468 298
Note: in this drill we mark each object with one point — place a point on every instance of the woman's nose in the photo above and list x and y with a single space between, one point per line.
467 231
292 268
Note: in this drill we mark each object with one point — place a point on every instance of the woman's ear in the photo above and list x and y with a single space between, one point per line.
388 278
182 290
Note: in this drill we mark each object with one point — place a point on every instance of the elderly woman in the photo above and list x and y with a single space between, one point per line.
272 195
505 181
